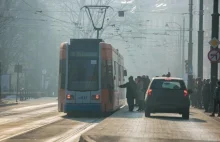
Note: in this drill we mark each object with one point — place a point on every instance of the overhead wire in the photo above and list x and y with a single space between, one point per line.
43 14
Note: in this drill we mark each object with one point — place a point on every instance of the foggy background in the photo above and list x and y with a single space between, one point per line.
32 30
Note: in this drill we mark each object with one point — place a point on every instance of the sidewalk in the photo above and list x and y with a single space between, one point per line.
208 114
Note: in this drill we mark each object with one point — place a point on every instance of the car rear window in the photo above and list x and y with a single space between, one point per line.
168 84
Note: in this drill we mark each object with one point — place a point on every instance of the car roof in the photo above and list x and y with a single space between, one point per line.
172 78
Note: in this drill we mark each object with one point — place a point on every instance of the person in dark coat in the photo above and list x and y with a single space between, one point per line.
205 94
131 92
199 93
216 97
147 82
140 93
194 94
169 74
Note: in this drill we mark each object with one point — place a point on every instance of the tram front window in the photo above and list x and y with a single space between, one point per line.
83 75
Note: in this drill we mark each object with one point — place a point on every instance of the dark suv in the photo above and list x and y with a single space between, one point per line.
167 95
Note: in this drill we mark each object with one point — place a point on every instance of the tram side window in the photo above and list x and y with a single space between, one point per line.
114 67
119 72
63 74
104 74
122 73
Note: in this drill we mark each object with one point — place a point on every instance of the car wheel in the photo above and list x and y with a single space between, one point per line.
147 113
185 114
69 114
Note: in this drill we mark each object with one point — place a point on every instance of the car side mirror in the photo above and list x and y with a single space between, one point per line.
190 91
125 72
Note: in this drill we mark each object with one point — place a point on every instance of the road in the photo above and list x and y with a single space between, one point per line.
41 122
124 126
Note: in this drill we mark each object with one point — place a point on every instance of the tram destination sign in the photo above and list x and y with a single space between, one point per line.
83 54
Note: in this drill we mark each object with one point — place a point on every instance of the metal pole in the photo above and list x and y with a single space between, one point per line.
200 41
17 82
215 32
97 33
0 81
183 48
180 44
190 48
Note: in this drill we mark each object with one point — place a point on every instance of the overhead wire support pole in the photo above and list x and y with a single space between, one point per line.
180 45
215 34
88 7
0 81
200 41
183 47
190 46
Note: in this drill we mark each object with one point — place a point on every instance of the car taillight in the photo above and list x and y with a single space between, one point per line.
96 97
68 97
149 92
185 93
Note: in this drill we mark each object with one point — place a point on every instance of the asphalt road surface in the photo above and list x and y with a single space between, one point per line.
40 122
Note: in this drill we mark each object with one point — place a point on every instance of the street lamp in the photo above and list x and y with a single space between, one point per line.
180 43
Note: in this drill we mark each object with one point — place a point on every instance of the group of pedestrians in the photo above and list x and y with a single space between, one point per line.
136 90
202 97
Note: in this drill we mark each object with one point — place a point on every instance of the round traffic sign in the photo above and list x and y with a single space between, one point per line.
214 55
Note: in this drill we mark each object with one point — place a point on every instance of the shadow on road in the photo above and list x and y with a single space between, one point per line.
84 119
168 118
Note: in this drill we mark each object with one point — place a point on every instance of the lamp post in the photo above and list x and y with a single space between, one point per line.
180 43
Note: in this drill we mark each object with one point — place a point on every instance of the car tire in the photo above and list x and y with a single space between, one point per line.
185 114
147 113
69 114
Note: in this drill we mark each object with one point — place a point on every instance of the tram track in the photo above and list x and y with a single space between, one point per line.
71 135
59 129
16 131
27 109
27 115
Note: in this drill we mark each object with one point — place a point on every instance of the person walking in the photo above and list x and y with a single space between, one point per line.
199 93
205 94
131 92
216 98
140 93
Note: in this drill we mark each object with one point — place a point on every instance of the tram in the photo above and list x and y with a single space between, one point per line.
89 75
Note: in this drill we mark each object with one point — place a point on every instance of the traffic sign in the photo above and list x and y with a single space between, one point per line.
214 55
214 42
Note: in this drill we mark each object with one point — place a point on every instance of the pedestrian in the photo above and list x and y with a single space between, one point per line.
168 74
144 83
194 94
131 88
216 98
205 94
199 93
135 99
147 82
140 93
